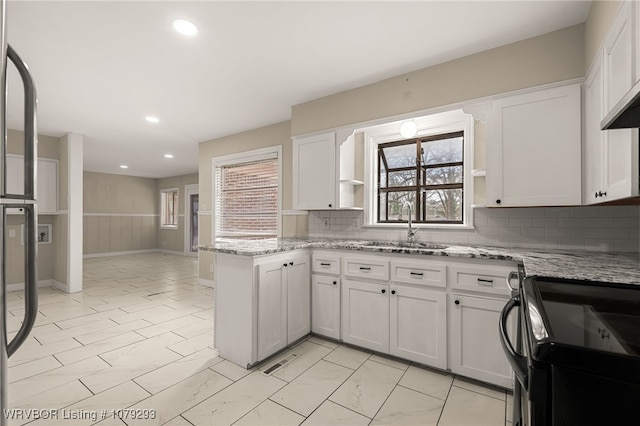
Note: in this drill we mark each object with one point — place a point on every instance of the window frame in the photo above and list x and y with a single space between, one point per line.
429 125
420 187
163 212
246 157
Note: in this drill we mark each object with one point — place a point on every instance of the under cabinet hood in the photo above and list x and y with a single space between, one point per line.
626 113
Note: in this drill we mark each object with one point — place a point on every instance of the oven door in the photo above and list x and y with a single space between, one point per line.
521 409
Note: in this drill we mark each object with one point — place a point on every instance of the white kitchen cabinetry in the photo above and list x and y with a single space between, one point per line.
418 325
404 317
47 181
534 149
284 303
611 156
325 295
618 57
261 305
324 172
474 342
365 314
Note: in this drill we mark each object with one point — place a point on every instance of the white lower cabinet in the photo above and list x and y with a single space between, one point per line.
475 349
365 314
284 304
418 325
325 305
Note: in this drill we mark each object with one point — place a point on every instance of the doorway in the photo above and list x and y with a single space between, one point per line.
191 220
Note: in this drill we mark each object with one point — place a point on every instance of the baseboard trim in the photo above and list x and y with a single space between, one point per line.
205 282
60 286
119 253
177 253
20 286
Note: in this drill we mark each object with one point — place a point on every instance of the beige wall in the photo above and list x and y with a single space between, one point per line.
277 134
120 213
170 239
600 18
540 60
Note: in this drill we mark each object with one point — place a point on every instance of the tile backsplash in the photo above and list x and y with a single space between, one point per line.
595 228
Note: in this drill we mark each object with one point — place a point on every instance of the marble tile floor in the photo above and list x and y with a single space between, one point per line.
139 339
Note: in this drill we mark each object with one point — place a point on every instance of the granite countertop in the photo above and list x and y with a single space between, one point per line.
580 265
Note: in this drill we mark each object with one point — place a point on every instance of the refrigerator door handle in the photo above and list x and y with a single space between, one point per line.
29 206
30 134
30 275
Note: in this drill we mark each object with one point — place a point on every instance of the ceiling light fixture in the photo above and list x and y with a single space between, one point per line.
185 27
124 166
168 156
408 129
152 119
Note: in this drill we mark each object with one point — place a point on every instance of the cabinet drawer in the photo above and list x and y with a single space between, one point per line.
486 279
365 267
416 272
325 263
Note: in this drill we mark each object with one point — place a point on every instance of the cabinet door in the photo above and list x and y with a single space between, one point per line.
618 59
621 145
365 315
15 175
418 325
474 340
298 299
314 172
534 149
47 186
325 308
593 184
272 309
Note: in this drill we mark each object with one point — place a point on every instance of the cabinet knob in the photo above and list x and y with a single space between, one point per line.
335 282
290 263
384 291
498 201
284 264
597 195
457 302
330 205
393 292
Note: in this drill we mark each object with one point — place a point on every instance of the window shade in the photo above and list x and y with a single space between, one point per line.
246 204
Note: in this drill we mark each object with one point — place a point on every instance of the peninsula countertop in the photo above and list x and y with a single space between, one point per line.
566 264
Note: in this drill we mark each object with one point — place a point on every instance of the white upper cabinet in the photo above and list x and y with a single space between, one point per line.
534 149
47 182
610 156
618 57
324 176
314 172
47 186
593 153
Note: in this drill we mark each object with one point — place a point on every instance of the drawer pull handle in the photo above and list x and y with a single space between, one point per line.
325 264
485 282
365 268
417 274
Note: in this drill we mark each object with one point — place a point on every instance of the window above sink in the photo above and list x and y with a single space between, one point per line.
431 170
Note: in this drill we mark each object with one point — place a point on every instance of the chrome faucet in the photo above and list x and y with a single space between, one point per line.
411 232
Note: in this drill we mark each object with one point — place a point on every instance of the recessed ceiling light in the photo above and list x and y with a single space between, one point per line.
185 27
168 156
152 119
124 166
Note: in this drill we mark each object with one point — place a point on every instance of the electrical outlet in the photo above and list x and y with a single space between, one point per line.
211 267
12 233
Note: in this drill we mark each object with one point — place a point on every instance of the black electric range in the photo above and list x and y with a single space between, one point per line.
578 358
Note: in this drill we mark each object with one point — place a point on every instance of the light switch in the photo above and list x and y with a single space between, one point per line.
12 233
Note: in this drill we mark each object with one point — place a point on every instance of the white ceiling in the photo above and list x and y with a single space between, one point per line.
101 67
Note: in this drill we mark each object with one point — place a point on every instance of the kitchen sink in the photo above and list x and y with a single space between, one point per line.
406 244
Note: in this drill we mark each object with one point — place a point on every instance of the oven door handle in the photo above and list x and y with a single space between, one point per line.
517 361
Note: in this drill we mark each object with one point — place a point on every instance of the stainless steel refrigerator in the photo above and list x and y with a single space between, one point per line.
23 202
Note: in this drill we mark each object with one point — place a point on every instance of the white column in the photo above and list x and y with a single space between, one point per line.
75 217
